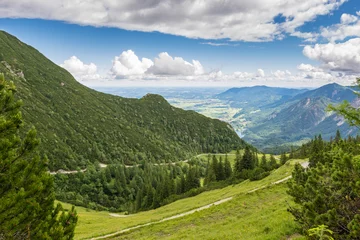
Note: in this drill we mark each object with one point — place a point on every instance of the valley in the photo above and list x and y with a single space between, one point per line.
263 116
198 156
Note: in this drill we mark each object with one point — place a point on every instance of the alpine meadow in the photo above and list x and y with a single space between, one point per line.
180 119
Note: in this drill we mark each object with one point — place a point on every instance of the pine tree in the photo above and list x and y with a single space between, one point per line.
272 163
247 161
227 168
26 188
220 170
263 163
337 136
237 166
283 158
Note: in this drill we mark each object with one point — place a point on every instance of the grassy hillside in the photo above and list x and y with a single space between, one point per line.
92 223
256 216
79 126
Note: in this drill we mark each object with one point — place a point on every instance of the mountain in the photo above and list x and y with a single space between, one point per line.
333 92
79 126
258 96
302 117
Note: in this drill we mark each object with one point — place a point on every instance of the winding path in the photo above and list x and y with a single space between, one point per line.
304 164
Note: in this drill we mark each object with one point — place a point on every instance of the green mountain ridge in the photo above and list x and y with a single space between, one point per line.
79 126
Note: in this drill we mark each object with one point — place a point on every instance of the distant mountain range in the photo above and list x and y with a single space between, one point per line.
280 117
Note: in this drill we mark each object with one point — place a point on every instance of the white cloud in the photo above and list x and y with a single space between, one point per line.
219 44
246 20
164 64
348 18
281 74
349 27
128 64
260 73
343 57
307 36
81 71
308 68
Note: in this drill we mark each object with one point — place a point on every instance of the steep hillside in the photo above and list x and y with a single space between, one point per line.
79 126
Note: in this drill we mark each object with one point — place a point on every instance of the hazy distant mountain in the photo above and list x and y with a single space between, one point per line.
258 96
290 116
305 117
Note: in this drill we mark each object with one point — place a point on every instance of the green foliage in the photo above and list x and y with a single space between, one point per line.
328 193
350 113
79 126
321 232
26 188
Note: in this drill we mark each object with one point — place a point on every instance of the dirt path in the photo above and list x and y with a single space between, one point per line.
165 219
102 165
60 171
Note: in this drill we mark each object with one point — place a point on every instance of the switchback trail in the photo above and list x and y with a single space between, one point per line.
304 164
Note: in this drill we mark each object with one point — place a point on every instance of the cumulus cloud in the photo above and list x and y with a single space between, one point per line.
247 20
164 64
343 57
281 74
348 18
128 64
260 73
80 70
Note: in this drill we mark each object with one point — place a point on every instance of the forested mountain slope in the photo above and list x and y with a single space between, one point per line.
78 125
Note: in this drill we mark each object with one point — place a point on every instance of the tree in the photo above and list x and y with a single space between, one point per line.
247 161
227 168
350 113
337 136
328 194
283 158
26 188
237 166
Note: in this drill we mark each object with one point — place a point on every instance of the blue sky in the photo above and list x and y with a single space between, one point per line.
300 43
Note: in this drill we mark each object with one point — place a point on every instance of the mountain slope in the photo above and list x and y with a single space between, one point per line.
78 125
304 116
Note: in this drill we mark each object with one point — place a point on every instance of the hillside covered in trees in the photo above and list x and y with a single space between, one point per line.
78 126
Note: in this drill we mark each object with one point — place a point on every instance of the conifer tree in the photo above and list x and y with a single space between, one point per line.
238 166
220 170
227 168
26 188
247 161
283 158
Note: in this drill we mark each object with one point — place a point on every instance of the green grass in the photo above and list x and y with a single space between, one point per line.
259 215
92 223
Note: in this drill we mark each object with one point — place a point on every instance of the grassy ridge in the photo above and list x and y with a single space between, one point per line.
79 126
92 223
